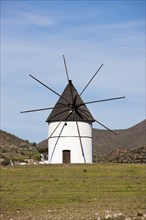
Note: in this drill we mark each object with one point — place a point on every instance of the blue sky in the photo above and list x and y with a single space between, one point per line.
35 35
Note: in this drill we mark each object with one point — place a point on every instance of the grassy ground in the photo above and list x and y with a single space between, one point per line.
49 192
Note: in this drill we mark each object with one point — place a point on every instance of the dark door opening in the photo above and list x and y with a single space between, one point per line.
66 156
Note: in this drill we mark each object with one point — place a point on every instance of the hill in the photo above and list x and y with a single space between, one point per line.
104 142
131 138
16 149
106 146
125 155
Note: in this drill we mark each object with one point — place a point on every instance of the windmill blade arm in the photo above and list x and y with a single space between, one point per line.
71 92
48 87
74 100
86 113
69 81
59 134
102 100
40 109
54 130
56 142
79 114
91 80
66 68
83 113
69 113
80 140
58 114
105 127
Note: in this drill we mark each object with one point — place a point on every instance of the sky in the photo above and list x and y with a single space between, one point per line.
34 36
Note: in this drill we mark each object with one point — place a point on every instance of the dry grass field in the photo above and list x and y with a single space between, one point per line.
49 192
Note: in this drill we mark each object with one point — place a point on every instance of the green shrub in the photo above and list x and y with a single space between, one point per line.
5 162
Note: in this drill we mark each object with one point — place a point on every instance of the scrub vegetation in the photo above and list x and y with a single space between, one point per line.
98 191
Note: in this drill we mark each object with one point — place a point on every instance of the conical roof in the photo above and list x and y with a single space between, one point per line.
70 107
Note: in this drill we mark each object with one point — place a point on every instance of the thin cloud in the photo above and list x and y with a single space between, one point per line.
31 19
38 20
119 25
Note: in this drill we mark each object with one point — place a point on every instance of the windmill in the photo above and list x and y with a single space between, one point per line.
70 124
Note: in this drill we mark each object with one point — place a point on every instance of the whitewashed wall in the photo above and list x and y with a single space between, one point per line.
69 140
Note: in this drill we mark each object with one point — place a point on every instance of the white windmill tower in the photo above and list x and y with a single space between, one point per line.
70 129
70 125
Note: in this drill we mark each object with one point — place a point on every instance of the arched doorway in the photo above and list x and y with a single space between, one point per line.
66 156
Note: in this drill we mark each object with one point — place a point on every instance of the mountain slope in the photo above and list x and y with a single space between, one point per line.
16 149
125 155
104 142
132 138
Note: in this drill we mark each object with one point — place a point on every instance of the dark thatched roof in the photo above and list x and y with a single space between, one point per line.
70 107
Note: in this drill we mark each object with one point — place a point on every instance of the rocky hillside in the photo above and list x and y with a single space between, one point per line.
127 145
125 155
104 142
16 149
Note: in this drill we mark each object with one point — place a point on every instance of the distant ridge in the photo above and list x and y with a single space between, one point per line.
104 142
106 146
132 138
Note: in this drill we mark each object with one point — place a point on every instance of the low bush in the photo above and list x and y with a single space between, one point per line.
5 162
